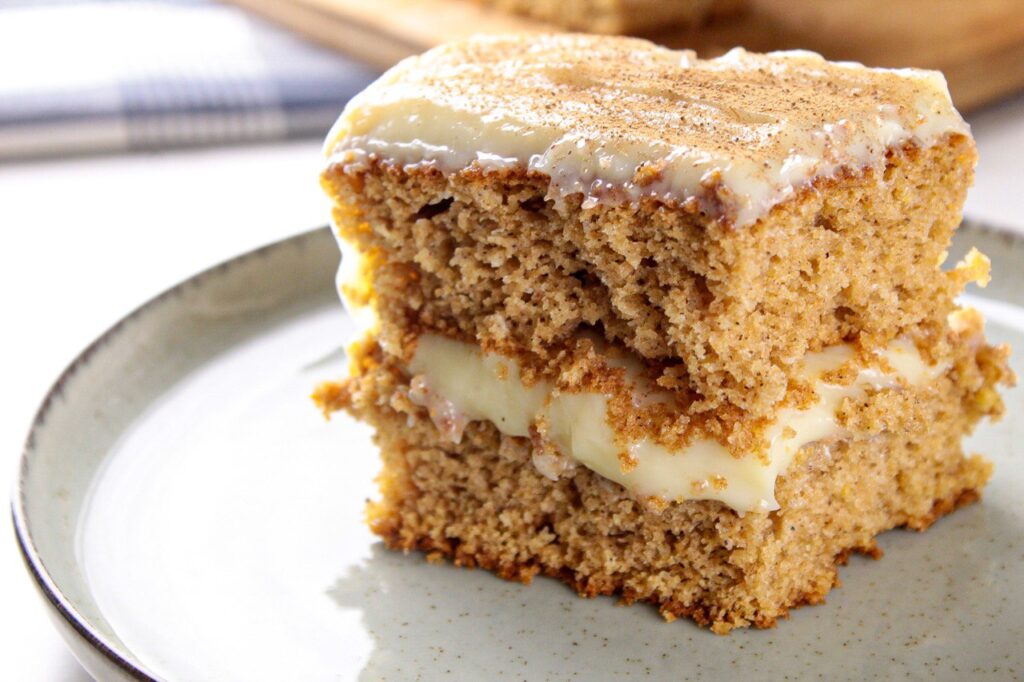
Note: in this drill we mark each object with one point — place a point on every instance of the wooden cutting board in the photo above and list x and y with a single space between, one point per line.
978 44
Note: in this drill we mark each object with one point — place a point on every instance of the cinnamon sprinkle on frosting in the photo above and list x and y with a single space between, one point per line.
617 119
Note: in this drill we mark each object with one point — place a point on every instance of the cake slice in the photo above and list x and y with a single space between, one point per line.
610 16
659 326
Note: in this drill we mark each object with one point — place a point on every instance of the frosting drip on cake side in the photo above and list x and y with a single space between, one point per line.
617 119
458 383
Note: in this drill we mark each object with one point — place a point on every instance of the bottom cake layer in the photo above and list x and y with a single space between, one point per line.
482 503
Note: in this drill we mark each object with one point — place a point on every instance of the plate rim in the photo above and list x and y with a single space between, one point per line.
44 582
42 579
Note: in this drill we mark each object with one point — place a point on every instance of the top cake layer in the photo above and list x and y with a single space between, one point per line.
617 119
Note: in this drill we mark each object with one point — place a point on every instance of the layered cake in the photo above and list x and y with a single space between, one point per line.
663 327
611 16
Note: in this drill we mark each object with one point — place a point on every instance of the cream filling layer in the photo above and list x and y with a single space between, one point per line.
405 120
459 383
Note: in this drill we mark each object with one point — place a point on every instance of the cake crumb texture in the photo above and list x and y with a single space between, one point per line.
482 504
727 313
708 224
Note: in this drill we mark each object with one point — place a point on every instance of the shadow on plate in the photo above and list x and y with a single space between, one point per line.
902 614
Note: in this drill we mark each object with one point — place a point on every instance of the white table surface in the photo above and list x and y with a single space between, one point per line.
87 240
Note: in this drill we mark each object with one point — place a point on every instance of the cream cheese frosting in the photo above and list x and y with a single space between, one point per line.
616 119
460 383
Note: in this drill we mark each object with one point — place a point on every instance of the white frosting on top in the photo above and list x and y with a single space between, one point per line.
617 119
459 383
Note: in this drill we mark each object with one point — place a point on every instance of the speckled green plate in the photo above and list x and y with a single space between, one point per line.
188 515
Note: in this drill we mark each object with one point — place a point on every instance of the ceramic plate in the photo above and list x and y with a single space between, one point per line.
189 515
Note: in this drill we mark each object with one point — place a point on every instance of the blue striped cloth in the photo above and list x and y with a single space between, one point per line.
81 76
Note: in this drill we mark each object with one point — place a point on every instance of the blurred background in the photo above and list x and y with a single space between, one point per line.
144 140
